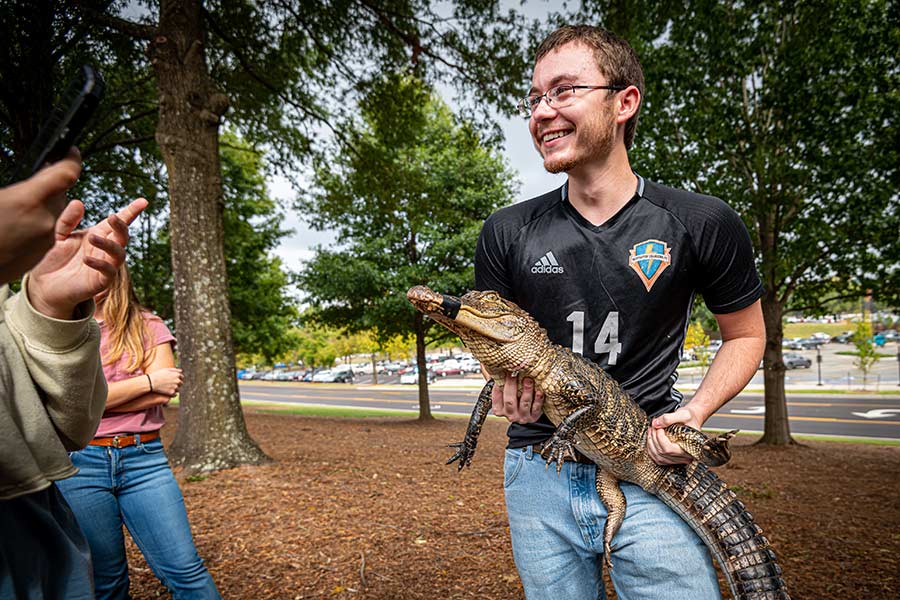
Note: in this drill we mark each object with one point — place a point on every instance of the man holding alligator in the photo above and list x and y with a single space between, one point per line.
609 264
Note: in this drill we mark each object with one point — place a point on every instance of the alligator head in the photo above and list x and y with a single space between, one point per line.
502 336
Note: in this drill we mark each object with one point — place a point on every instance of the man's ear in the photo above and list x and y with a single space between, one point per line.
628 101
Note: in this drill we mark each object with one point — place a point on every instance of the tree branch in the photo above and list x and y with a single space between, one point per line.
248 68
413 42
95 144
123 26
94 148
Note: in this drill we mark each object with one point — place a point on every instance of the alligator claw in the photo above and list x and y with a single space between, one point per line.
463 455
556 450
716 451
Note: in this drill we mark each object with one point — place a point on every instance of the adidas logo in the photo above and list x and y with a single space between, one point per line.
547 264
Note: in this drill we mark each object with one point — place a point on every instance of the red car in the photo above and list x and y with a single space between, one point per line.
444 370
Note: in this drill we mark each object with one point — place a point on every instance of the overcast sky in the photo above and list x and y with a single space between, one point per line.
518 151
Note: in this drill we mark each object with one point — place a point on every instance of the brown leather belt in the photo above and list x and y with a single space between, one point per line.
122 441
579 457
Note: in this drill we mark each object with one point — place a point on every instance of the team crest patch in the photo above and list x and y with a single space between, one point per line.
649 259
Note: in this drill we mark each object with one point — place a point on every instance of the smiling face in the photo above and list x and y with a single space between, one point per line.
585 131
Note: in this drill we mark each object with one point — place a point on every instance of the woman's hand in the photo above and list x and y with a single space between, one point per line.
166 381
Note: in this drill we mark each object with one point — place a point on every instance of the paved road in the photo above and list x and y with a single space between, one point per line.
824 414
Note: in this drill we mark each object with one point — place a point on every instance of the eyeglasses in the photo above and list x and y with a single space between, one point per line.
560 96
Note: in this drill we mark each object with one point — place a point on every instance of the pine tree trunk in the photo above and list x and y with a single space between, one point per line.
211 433
777 431
424 400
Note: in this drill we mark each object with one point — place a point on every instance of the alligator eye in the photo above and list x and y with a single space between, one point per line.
491 297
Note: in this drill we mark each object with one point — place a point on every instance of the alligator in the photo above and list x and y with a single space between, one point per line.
595 417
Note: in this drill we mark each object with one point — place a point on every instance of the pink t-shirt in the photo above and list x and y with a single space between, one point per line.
141 421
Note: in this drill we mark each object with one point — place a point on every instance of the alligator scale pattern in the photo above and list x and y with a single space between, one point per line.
591 412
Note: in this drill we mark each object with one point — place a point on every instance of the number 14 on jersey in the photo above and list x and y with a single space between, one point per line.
607 341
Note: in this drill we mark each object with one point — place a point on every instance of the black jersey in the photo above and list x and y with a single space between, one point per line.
619 293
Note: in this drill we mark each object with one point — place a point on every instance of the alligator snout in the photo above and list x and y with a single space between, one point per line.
430 302
424 299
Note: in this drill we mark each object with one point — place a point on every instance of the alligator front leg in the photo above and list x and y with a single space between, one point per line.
476 422
561 444
614 500
712 451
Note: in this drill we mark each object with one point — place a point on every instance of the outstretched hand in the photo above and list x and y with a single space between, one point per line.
82 263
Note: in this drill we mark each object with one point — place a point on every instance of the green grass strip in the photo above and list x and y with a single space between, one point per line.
337 411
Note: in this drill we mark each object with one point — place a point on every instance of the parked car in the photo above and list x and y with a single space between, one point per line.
391 368
343 376
791 344
470 365
795 361
295 375
811 343
282 375
308 376
450 366
844 338
412 376
333 376
362 368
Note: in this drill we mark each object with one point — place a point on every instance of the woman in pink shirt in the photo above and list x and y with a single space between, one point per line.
124 476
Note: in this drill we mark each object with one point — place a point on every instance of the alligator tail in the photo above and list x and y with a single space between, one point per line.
723 522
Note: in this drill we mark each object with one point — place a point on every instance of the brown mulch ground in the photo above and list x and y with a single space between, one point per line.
365 508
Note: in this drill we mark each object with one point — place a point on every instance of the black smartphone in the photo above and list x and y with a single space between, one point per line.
66 123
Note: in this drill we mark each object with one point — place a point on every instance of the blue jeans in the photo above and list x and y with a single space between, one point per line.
135 486
556 525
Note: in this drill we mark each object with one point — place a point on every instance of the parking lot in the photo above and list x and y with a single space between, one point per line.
837 371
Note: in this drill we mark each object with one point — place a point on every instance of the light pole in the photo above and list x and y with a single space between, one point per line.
819 362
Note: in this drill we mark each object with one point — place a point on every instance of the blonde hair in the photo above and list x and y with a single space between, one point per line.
124 322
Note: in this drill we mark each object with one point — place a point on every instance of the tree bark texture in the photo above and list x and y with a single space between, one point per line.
777 429
424 400
212 434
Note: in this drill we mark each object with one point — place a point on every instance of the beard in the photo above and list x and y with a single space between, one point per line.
594 139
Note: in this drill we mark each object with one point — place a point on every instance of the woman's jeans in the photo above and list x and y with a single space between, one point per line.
556 524
135 486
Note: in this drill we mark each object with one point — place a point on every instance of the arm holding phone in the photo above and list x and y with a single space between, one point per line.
51 381
50 322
